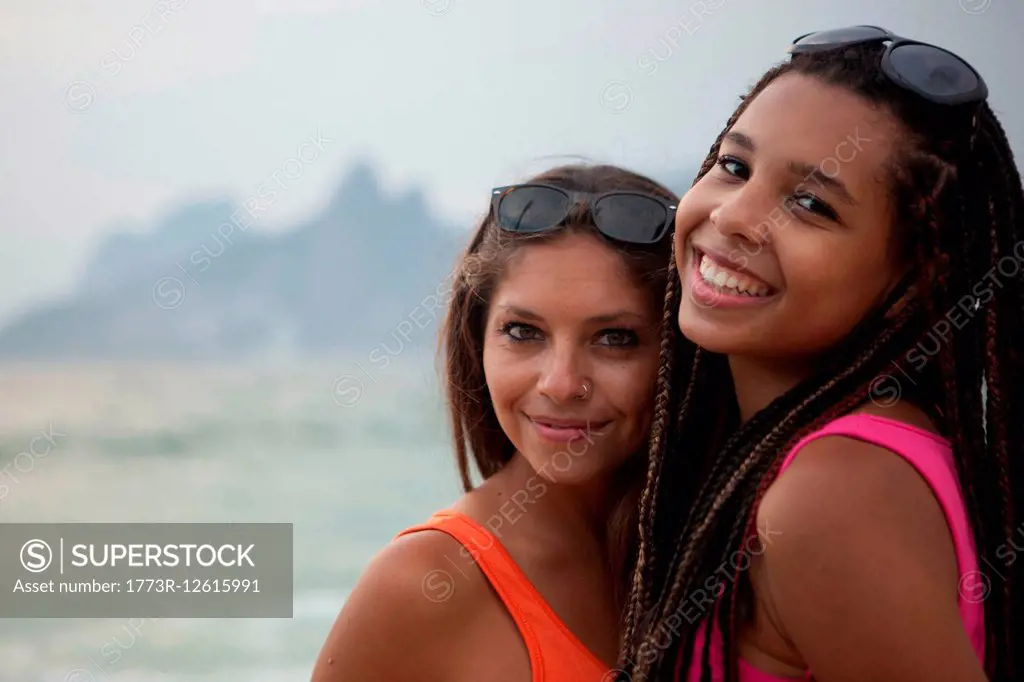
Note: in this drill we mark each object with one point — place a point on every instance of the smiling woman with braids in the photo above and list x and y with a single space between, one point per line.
855 235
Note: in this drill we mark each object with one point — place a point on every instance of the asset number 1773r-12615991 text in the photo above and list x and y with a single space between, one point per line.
205 585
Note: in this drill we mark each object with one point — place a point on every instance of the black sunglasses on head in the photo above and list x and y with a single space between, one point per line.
932 72
632 217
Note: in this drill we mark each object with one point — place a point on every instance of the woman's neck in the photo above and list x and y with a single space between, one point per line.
759 381
575 513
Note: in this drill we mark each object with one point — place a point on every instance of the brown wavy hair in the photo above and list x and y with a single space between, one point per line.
478 437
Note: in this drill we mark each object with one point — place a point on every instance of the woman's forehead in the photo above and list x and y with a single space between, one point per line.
815 120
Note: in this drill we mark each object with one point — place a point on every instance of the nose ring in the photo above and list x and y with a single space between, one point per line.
586 392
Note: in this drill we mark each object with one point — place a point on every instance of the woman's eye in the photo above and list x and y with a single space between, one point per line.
618 337
517 331
734 167
811 203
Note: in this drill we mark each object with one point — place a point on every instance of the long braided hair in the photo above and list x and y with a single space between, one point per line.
960 211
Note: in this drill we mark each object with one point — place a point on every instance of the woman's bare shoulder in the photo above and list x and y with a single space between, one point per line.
859 557
407 615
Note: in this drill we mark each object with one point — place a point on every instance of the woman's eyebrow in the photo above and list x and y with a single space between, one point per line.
803 169
605 318
740 140
809 172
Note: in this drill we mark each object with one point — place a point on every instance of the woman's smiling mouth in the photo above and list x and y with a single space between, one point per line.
715 284
566 430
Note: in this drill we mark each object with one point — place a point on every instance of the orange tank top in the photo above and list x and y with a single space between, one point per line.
556 655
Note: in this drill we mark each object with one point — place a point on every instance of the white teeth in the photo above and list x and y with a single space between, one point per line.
712 274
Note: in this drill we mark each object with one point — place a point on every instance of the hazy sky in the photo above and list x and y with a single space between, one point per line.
113 112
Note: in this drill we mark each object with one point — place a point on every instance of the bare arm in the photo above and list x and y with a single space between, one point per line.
399 624
861 571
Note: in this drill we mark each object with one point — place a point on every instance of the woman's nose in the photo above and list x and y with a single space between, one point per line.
562 378
746 216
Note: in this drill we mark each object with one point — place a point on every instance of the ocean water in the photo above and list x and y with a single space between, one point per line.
349 456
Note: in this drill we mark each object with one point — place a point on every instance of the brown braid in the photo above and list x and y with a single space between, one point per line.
785 433
1000 408
794 424
642 576
748 527
645 551
959 202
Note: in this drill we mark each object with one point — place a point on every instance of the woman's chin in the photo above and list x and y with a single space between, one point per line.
573 465
717 337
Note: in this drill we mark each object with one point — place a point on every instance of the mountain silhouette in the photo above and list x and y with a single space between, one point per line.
203 285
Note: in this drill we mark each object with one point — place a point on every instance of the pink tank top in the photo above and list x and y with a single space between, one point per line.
932 456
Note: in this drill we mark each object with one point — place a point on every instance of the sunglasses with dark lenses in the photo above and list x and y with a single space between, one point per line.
631 217
932 72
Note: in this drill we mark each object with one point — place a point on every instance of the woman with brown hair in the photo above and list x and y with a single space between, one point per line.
553 343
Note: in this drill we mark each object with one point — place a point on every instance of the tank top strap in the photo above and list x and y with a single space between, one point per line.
932 456
929 453
495 563
552 647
